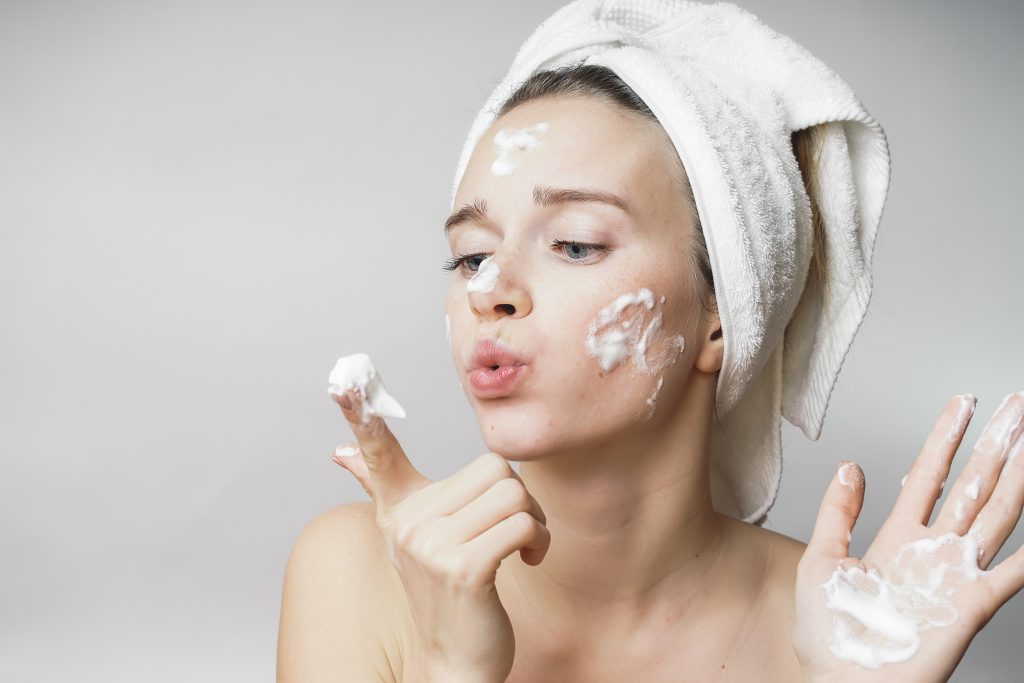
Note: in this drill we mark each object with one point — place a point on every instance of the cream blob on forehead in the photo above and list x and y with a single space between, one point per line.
511 143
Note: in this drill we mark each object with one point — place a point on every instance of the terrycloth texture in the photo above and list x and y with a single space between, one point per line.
729 91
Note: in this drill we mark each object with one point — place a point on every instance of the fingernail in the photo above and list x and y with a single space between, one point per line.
850 474
964 414
345 402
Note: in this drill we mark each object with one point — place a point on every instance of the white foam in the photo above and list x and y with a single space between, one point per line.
968 402
652 400
357 371
509 141
611 341
877 620
1001 430
485 278
974 488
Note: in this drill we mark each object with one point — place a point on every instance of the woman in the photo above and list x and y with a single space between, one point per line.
586 325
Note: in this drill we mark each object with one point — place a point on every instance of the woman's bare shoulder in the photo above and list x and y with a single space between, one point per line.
778 556
786 551
336 609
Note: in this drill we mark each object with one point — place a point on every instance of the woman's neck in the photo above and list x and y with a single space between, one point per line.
633 531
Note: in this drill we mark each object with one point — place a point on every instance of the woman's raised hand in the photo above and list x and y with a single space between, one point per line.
447 540
909 608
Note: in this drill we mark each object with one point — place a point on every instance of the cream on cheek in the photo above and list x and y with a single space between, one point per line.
626 331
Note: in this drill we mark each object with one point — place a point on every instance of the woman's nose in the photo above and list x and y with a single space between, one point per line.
494 293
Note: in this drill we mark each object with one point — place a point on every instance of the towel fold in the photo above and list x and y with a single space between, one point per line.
729 91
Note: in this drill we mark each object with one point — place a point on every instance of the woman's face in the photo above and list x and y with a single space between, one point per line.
596 303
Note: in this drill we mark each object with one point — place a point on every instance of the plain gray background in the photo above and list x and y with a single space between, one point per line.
204 204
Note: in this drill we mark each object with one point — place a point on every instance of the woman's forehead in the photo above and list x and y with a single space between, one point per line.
569 142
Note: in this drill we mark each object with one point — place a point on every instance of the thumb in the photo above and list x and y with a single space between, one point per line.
838 513
351 458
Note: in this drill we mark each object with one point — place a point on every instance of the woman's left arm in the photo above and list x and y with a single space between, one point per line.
910 607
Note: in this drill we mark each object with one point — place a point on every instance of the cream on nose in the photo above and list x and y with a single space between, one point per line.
485 278
490 297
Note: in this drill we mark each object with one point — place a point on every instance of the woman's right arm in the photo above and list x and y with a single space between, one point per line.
332 610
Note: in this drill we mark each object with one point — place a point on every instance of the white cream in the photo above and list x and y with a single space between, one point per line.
448 329
849 475
346 451
968 402
958 510
485 278
652 400
628 328
357 371
974 488
877 620
1016 450
610 341
903 481
1001 430
510 141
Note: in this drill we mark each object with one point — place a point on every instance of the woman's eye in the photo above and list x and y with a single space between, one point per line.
577 251
467 262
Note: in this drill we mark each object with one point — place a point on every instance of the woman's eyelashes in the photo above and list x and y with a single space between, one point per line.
463 261
578 251
568 250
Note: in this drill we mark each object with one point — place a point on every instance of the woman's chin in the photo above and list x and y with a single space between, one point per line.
523 435
513 444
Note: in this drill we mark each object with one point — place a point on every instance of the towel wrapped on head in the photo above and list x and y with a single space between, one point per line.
729 92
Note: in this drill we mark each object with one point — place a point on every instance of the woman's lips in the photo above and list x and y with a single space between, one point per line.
488 383
495 369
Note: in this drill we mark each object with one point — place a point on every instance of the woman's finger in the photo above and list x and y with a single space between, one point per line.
838 513
504 498
470 482
390 475
520 531
1004 580
1002 444
927 476
976 483
349 457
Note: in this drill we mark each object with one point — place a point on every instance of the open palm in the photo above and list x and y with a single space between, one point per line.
910 607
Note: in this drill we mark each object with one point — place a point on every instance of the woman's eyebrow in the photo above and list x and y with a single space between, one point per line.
542 196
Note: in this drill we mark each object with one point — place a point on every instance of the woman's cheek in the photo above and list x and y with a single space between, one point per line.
627 337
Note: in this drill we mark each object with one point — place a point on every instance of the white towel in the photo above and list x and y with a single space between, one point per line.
729 91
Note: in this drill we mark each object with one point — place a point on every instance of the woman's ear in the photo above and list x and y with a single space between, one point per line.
712 344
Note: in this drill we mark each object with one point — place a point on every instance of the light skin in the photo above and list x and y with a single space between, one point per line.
625 558
635 541
634 535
